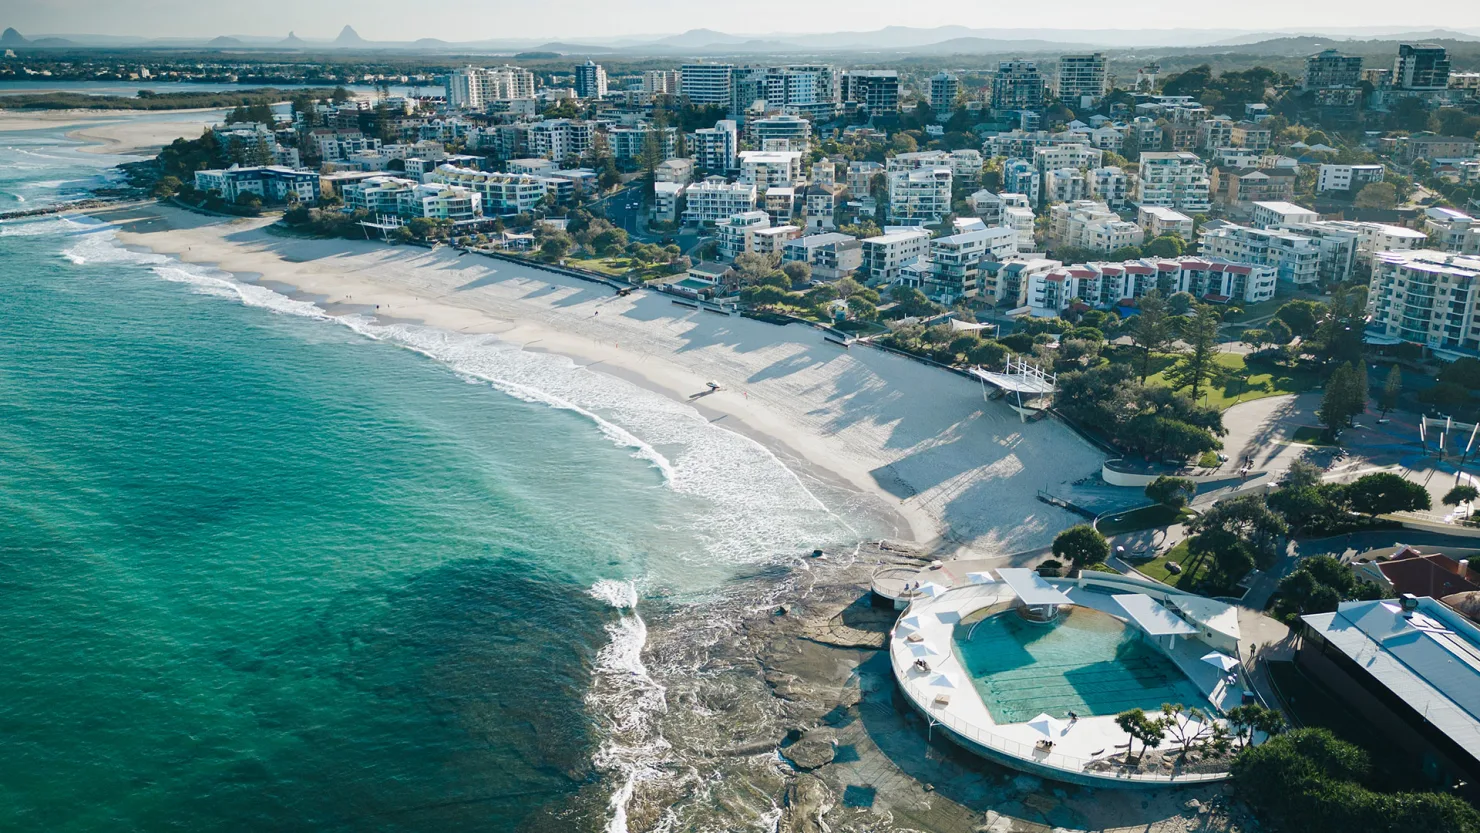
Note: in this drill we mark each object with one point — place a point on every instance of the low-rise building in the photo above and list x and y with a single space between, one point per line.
831 255
1159 221
1348 177
1452 231
1019 176
780 132
680 171
885 256
736 235
1277 214
949 273
919 196
668 201
1176 180
271 183
1106 285
1004 283
764 169
1018 216
1110 185
1091 225
715 199
1295 258
502 193
1243 187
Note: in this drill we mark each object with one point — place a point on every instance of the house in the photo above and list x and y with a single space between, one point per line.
1158 221
831 255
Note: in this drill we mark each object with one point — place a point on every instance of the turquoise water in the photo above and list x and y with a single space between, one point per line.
262 569
1087 662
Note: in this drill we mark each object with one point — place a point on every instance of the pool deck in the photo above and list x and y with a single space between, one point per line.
1075 745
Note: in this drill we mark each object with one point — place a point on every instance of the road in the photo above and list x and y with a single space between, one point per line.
627 210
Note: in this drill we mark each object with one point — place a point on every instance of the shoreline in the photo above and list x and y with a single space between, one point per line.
114 132
829 414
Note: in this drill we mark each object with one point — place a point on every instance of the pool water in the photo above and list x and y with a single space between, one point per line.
1086 662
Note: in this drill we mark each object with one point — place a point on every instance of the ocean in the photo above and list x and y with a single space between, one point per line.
264 568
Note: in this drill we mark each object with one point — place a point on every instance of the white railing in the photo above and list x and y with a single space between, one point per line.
923 696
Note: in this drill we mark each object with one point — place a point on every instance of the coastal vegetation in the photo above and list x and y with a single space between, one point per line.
151 100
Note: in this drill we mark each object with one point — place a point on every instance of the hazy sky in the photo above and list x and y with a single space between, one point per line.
461 20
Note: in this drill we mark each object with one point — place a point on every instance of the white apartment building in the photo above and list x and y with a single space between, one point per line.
1019 176
376 195
986 205
1348 177
674 170
1005 283
860 177
1092 225
1454 231
627 143
706 84
813 90
1295 258
1104 285
919 196
943 90
590 80
661 82
477 88
273 183
1159 221
1110 185
1175 179
767 168
715 199
780 132
443 202
1018 216
1277 214
831 255
1426 297
561 139
1078 157
1081 77
950 273
501 193
668 201
885 256
1064 185
714 149
736 235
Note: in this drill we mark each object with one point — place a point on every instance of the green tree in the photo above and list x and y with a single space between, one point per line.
1141 728
1382 493
1302 317
1181 303
1382 195
1342 400
1245 521
1464 493
1279 332
862 308
1175 492
1198 364
1392 390
797 272
1252 718
1081 545
1167 245
1151 329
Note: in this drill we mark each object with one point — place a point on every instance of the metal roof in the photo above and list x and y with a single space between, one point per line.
1428 657
1151 617
1031 588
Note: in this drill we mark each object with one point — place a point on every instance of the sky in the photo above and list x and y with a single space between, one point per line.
463 20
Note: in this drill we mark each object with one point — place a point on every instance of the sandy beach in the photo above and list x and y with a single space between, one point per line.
115 131
959 472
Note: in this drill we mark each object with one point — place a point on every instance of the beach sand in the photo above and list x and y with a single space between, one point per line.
115 131
959 472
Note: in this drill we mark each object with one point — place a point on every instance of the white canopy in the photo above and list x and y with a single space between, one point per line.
1031 588
1151 617
923 649
1048 725
932 590
939 680
983 577
1221 660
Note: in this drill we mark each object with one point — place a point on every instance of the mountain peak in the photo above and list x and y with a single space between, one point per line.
348 35
12 38
291 39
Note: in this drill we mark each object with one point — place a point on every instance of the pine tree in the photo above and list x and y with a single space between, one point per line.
1151 329
1197 365
1391 390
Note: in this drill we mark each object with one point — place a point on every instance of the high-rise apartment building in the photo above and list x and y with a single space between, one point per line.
1018 85
476 88
1175 179
590 80
943 90
1331 70
811 90
1422 66
1426 297
873 90
714 149
706 84
1083 75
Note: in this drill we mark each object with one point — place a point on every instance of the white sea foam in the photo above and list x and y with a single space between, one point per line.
629 699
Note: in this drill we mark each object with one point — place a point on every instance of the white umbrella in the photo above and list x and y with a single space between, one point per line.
981 578
910 624
948 617
1048 725
1221 661
932 590
940 680
923 649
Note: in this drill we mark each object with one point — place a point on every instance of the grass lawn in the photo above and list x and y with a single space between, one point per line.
1310 436
1242 385
1147 517
616 267
1102 568
1193 567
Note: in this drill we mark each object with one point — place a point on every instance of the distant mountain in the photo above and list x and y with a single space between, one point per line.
1252 38
225 41
991 46
700 37
349 37
292 41
571 48
13 38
